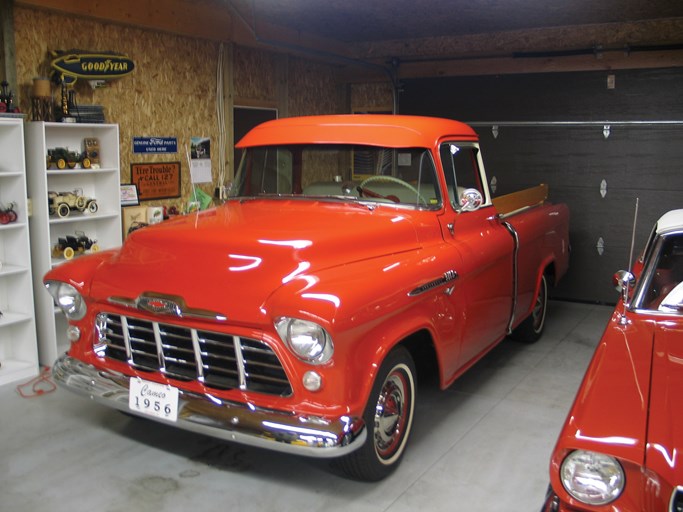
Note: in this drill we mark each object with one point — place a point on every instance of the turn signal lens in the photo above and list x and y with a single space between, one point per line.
312 381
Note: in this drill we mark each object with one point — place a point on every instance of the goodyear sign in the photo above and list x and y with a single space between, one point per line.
74 64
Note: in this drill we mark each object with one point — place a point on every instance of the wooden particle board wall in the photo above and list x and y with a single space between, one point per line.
172 92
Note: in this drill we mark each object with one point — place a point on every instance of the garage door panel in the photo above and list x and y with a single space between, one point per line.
636 159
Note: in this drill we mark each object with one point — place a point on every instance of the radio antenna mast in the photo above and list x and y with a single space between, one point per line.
627 278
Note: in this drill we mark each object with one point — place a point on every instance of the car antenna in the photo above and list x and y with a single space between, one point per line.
633 236
628 279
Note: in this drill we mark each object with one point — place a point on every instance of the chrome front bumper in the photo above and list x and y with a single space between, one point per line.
232 421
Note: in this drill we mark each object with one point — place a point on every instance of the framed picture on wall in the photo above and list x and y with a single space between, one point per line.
156 180
129 194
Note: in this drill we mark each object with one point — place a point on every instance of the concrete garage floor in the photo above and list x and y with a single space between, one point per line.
481 445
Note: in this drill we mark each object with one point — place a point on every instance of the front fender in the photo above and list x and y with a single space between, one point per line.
80 271
609 414
368 310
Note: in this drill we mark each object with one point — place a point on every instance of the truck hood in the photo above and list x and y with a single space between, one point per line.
665 426
230 259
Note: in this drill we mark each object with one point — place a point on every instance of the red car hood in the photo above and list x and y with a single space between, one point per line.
665 427
610 409
232 258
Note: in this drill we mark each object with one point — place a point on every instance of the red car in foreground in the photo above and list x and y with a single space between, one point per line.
622 443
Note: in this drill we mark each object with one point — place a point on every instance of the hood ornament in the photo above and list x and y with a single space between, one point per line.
162 304
159 305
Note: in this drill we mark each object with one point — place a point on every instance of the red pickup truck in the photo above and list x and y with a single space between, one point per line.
354 255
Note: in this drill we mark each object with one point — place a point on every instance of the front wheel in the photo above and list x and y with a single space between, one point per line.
531 329
63 210
388 417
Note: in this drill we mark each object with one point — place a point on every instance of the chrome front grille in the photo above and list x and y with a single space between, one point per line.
218 360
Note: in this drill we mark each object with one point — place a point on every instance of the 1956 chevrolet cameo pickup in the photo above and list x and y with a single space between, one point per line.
354 255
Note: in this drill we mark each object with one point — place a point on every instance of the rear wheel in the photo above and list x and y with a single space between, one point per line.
388 417
531 329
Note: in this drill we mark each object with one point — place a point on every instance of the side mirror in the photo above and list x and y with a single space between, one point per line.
470 200
624 282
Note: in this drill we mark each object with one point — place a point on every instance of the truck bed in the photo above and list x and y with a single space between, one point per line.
515 202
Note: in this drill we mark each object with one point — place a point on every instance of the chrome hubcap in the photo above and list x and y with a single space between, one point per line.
391 414
539 308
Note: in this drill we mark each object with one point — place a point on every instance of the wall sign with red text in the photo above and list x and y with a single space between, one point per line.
157 180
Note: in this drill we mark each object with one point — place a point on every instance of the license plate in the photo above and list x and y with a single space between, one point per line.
152 399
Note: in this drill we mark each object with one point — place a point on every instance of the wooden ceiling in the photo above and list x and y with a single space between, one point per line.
362 21
412 38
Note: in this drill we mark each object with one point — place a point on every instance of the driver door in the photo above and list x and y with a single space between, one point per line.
486 248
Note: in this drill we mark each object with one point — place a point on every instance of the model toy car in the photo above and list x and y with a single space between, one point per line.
8 214
620 447
71 246
62 203
63 158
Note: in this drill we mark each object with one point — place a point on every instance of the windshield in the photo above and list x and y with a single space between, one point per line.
403 176
662 286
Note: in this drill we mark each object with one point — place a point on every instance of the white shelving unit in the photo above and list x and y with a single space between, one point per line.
18 346
104 226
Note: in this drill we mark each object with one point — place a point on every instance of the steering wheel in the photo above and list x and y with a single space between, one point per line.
391 179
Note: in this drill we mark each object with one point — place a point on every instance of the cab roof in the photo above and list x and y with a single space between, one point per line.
670 221
395 131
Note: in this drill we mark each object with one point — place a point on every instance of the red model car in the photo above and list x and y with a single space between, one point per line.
353 255
621 448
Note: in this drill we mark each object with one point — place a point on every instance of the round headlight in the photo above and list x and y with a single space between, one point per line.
309 341
67 299
592 478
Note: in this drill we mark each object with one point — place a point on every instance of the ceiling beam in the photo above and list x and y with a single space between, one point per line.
651 32
512 65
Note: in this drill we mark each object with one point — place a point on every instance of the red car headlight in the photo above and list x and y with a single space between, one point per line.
68 299
591 477
309 341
